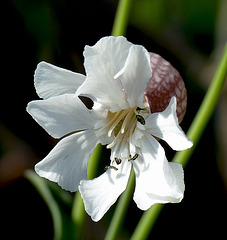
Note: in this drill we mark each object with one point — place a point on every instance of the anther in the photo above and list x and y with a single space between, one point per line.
140 119
139 109
117 160
134 157
108 167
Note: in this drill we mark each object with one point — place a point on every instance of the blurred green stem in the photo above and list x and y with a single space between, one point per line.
41 186
121 18
195 131
206 109
78 211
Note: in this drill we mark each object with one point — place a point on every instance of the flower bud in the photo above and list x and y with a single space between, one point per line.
165 83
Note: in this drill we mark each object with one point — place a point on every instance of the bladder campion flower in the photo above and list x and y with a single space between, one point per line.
108 106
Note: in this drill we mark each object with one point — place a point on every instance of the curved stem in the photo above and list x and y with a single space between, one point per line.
42 188
194 133
121 18
206 109
147 222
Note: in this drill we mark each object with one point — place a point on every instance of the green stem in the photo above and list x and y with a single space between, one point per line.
121 209
41 186
206 109
195 131
78 211
121 18
147 222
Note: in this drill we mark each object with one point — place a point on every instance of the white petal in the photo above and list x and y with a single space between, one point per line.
135 75
157 180
67 163
162 192
53 81
165 125
101 193
102 62
145 200
113 48
61 115
148 145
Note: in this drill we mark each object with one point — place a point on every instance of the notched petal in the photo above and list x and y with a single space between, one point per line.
101 193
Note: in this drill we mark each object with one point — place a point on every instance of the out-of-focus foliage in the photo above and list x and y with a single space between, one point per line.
195 19
39 22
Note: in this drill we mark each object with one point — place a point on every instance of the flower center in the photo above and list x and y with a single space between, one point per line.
121 125
117 129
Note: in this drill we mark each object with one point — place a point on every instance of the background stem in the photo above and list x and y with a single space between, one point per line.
41 186
121 18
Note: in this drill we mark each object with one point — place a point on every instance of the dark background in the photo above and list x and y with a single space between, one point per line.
188 33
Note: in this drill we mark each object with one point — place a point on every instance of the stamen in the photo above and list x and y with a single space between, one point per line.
117 160
123 126
140 119
126 121
134 157
132 129
114 141
118 119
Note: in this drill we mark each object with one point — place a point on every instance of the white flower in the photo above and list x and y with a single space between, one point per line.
118 116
